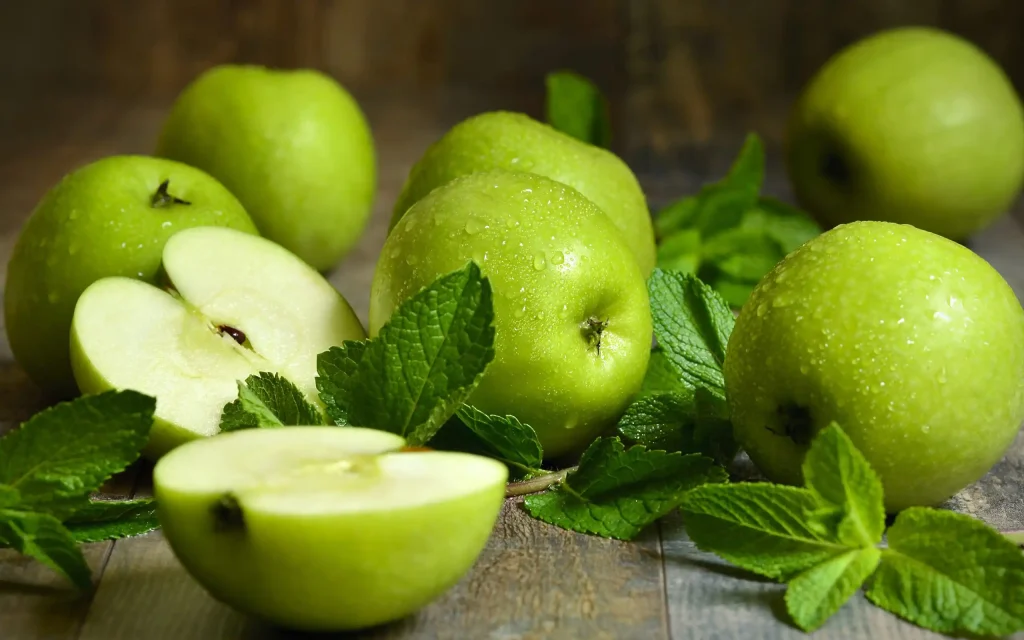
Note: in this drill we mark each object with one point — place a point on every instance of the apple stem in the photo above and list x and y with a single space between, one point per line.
163 199
536 485
592 328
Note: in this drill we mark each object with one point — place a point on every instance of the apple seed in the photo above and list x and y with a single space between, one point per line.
236 334
163 199
227 514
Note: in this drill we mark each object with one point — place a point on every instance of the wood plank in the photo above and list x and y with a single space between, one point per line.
532 581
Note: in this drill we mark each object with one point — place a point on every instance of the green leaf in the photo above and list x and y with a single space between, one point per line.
268 400
504 438
680 251
743 254
43 537
839 475
765 528
677 216
616 492
950 573
422 365
576 107
677 423
110 519
788 226
9 496
64 453
816 594
747 171
692 325
662 377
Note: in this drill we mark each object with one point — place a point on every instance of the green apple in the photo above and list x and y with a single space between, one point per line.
325 528
238 305
294 147
515 142
911 125
911 342
108 218
572 318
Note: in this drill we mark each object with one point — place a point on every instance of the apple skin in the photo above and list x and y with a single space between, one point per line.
911 125
911 342
294 147
98 221
330 571
516 142
553 261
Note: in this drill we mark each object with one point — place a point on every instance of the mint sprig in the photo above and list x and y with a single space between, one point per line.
942 570
692 324
100 520
269 400
50 465
422 365
616 492
575 106
696 423
503 438
728 233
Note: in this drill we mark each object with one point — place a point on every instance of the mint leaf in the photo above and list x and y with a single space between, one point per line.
950 573
842 478
268 400
422 365
816 594
661 377
43 537
617 492
576 107
9 496
676 216
692 325
788 226
674 422
109 519
64 453
680 251
765 528
742 253
502 437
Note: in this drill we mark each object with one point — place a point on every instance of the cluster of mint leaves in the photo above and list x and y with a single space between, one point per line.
53 463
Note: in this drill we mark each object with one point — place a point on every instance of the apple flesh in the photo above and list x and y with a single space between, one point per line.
571 314
293 145
325 528
515 142
911 342
911 125
240 305
108 218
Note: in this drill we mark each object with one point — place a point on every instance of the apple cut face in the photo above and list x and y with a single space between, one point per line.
237 305
325 528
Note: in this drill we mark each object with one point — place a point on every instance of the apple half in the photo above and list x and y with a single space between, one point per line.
325 528
237 304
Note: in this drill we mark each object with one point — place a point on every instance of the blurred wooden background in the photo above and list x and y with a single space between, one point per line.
679 72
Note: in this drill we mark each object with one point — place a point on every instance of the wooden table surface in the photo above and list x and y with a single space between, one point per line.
533 581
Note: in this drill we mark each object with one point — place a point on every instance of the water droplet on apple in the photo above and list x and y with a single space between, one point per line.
762 309
804 369
782 301
410 222
942 376
73 249
557 257
925 428
520 312
539 262
411 259
474 226
166 224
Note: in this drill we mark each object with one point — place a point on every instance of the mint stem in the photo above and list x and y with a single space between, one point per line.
536 485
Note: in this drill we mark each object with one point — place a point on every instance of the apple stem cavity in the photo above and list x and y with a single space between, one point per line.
236 334
835 168
538 484
592 328
227 514
161 199
797 424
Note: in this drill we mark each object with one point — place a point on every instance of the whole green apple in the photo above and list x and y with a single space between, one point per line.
571 314
294 147
233 305
515 142
108 218
325 528
911 342
911 125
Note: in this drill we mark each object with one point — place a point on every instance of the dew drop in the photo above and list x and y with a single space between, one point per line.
804 369
166 224
925 428
557 257
411 259
538 262
474 226
73 249
762 309
520 312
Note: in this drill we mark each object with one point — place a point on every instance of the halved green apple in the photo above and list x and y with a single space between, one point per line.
237 305
325 528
